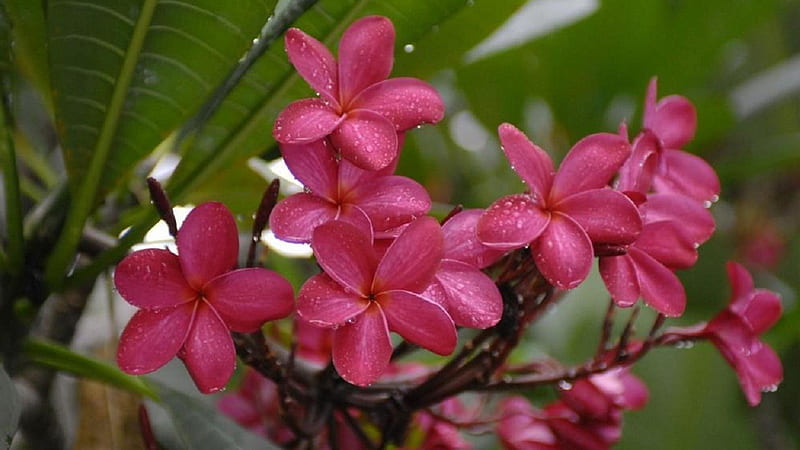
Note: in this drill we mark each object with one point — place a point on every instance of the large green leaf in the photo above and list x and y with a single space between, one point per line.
200 426
125 74
242 125
9 409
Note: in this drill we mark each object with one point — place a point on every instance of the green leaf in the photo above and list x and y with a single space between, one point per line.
61 358
9 409
30 49
242 125
203 427
125 74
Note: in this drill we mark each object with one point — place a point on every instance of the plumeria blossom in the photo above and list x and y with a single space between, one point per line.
190 302
359 109
255 405
673 227
564 213
588 415
439 434
363 297
469 295
735 332
673 120
337 190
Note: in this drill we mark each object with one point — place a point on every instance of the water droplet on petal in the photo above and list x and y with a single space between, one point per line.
564 385
408 48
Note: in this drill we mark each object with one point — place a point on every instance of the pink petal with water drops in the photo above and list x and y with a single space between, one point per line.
152 338
306 120
619 276
590 164
461 240
323 302
405 102
412 259
295 217
366 55
668 244
366 139
762 371
247 298
345 253
512 222
689 175
607 216
314 164
761 311
530 162
472 297
314 62
362 349
208 353
208 243
419 321
152 278
660 288
392 201
563 252
695 221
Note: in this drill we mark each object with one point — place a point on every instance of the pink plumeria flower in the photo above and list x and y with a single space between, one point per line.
674 121
373 201
363 297
736 330
438 434
566 212
255 405
189 302
469 295
359 109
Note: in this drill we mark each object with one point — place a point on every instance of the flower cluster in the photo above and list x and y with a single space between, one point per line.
641 207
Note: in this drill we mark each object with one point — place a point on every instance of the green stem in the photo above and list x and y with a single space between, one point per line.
8 161
84 199
61 358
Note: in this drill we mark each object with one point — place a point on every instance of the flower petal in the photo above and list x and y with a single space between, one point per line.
668 244
391 201
563 252
295 217
637 173
208 243
306 120
366 139
362 349
673 120
472 297
314 62
323 302
314 164
764 372
413 258
366 55
152 278
741 283
695 222
511 222
345 253
208 353
619 276
607 216
405 102
590 164
661 289
530 162
761 311
419 320
247 298
461 240
687 174
152 338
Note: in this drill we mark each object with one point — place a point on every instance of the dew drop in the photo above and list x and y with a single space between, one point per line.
408 48
770 388
564 385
